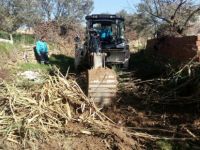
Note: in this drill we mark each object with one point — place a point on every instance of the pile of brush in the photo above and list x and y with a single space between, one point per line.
180 87
40 111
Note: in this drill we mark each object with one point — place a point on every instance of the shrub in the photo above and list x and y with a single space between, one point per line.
24 38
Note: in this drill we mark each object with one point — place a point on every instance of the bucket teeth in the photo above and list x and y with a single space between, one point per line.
102 85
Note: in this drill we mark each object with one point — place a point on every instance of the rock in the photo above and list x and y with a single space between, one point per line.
30 75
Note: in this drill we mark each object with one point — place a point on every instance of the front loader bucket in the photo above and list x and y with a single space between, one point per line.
102 85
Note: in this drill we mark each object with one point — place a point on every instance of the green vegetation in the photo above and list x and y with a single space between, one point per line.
34 67
171 145
19 38
148 64
24 38
4 35
164 145
62 62
6 48
116 68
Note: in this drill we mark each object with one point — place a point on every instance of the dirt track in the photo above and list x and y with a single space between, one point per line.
177 124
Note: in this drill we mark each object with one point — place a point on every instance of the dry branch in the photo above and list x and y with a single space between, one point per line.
32 114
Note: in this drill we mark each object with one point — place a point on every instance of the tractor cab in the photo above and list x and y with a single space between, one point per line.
109 28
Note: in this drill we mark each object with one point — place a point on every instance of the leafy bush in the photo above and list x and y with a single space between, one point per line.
4 35
19 38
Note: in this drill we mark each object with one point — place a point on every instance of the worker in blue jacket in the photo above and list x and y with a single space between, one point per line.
105 33
42 50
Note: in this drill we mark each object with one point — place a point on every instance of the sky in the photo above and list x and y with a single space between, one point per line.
113 6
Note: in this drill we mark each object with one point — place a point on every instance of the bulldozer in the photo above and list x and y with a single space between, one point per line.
104 46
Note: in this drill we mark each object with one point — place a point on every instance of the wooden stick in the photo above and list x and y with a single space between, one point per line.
190 133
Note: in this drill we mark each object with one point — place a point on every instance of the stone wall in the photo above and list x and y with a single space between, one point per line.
180 48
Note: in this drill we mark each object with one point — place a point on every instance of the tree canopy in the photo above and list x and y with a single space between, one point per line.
16 13
165 17
66 9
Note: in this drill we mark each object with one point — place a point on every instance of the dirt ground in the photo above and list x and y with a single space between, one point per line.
177 125
172 126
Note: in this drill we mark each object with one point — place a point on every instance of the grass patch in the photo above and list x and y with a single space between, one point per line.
7 54
34 67
19 38
6 48
24 38
164 145
62 62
